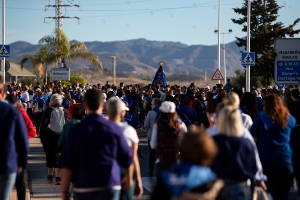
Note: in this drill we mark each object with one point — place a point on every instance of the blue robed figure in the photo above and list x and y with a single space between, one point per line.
160 77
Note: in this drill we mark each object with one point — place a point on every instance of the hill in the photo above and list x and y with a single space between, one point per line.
142 56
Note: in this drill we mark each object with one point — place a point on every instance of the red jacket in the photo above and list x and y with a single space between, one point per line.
70 109
30 128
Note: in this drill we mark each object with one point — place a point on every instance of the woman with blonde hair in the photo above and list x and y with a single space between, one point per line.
272 130
235 162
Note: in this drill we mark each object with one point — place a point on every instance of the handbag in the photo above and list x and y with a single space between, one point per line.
36 108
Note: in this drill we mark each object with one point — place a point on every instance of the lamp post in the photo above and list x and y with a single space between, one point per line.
229 31
248 45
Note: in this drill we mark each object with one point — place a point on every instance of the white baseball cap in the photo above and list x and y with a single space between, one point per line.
167 107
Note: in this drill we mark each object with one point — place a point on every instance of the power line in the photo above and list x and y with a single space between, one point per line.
59 12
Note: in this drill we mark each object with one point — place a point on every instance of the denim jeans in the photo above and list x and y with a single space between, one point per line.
98 195
239 192
280 177
128 194
7 182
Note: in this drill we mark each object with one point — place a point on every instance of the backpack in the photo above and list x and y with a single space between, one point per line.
211 194
57 120
168 147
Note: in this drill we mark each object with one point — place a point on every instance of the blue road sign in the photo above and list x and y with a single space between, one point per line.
287 61
288 71
4 51
248 58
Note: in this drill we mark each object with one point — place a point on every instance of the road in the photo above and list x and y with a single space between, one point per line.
40 190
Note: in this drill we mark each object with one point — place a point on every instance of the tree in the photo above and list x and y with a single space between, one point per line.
42 58
57 48
264 30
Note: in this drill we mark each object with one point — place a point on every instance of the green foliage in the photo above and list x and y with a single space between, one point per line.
264 30
74 78
56 47
240 79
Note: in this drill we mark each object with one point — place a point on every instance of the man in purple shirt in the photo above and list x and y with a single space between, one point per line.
93 151
13 144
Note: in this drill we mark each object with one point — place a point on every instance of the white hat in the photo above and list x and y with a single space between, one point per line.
167 107
207 87
38 90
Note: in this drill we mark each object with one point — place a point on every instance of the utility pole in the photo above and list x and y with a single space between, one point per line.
219 21
205 74
248 45
3 39
59 12
114 65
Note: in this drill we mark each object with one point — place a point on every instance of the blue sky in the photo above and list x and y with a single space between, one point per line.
186 21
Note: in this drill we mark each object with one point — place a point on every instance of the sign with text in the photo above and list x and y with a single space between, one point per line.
287 61
60 74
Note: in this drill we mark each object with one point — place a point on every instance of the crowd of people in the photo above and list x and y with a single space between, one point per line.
204 143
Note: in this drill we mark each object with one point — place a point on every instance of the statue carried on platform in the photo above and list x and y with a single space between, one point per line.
160 77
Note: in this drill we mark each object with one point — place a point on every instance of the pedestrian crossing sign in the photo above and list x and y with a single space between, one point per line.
217 75
248 58
4 51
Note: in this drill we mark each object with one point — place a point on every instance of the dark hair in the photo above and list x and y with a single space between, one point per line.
110 94
295 93
170 98
275 91
11 98
78 112
127 93
212 105
248 101
93 99
183 99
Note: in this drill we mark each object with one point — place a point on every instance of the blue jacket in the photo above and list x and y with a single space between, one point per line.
93 149
235 160
187 115
13 142
273 141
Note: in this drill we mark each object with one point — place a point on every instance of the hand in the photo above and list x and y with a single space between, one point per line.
126 182
261 184
139 189
20 169
65 196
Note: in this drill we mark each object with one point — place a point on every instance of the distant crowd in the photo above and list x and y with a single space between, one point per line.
216 142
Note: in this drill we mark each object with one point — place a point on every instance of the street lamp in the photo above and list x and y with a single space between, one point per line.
229 31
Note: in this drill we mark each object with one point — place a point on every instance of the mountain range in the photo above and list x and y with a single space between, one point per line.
142 56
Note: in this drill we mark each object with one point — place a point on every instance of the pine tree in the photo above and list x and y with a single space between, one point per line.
264 30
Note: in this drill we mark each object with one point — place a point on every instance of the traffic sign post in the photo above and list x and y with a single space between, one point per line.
248 58
287 61
217 76
4 51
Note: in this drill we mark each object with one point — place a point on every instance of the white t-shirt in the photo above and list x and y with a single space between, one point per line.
129 133
25 96
30 99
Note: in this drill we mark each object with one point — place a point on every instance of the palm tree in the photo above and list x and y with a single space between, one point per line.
57 48
41 60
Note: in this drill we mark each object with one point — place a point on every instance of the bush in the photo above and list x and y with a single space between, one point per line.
74 78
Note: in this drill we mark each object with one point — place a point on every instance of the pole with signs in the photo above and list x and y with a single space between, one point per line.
248 46
3 39
219 21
